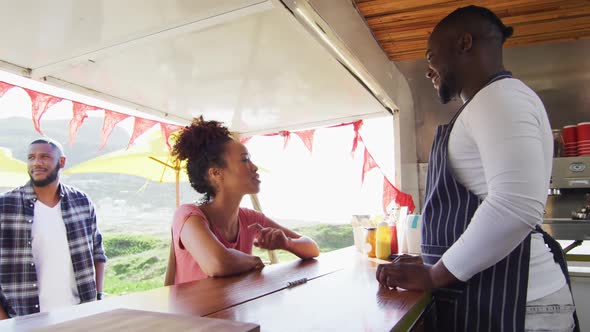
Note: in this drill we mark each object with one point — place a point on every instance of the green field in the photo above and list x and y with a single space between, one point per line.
138 262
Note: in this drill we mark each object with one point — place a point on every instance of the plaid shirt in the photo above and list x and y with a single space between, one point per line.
18 277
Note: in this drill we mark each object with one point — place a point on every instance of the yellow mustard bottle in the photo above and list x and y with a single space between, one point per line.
383 241
370 236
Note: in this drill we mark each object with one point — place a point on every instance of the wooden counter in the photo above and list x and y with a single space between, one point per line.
348 300
341 293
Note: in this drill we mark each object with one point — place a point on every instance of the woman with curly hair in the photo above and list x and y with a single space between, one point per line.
215 237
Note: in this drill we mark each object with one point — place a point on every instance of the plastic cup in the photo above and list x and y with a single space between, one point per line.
569 134
583 131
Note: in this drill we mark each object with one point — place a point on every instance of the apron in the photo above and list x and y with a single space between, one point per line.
494 299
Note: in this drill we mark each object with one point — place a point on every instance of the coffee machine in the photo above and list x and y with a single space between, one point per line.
569 188
569 192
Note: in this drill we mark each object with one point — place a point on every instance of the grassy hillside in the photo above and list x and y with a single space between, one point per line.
138 262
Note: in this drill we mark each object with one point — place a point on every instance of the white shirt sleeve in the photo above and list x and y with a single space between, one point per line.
510 130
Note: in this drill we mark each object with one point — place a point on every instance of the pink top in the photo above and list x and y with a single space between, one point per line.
187 269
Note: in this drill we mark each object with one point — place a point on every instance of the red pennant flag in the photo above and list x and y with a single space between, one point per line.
245 140
80 114
357 126
286 138
140 126
391 193
167 130
307 138
111 119
368 164
40 103
5 87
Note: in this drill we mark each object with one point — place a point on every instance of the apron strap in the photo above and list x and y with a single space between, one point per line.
559 257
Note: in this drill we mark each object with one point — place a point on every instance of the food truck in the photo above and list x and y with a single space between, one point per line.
267 66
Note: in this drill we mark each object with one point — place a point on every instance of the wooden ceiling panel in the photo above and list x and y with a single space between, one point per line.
402 27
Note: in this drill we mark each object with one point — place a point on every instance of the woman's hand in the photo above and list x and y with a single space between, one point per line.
270 238
257 263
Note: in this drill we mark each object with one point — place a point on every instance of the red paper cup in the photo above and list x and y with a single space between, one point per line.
583 131
569 134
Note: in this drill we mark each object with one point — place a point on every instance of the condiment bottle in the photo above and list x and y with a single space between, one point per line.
370 240
393 231
383 241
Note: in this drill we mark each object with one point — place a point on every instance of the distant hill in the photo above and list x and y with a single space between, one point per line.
125 203
16 133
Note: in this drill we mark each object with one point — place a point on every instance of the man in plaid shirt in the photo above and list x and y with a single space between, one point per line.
51 252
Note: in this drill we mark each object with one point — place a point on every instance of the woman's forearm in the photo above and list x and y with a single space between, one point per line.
304 247
234 262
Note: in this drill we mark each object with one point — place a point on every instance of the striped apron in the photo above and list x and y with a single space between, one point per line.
494 299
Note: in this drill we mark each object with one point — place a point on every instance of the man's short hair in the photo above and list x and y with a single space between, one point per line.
54 144
465 15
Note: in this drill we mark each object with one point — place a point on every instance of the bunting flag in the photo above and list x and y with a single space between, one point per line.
80 114
368 164
286 138
140 126
167 130
41 102
355 141
306 137
111 119
391 193
5 87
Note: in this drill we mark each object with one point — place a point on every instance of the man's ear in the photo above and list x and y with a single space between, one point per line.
62 162
465 42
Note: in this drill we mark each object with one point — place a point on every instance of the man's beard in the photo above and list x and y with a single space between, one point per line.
50 177
444 91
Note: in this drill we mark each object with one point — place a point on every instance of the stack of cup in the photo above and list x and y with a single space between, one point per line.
570 141
583 135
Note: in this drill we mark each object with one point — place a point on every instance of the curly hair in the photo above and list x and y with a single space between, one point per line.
202 145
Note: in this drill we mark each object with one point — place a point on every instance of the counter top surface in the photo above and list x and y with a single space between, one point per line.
341 293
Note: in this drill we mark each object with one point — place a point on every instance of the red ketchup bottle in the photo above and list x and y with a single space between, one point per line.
393 230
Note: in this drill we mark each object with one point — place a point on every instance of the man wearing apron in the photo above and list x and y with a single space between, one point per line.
488 263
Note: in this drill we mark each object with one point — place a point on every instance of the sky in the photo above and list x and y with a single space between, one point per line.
324 185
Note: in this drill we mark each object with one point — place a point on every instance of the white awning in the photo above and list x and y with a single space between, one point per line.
248 63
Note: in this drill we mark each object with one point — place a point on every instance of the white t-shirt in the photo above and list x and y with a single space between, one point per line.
51 254
501 149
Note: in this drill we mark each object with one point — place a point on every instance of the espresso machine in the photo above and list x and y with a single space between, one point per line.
566 214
